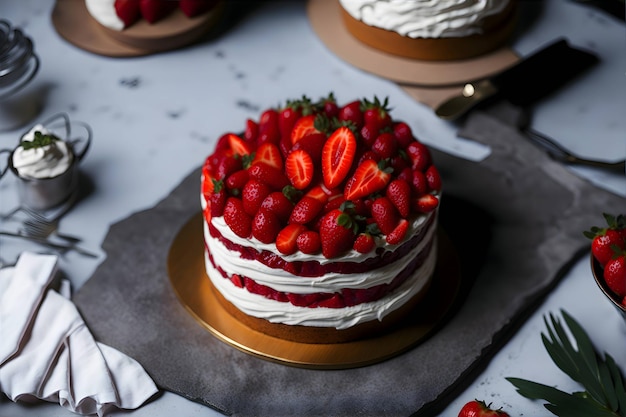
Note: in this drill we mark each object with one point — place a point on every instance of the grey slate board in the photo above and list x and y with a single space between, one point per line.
516 220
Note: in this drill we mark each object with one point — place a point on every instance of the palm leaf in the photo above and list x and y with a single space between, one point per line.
573 352
560 403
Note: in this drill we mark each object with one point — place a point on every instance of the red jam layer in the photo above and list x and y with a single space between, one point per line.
314 268
346 298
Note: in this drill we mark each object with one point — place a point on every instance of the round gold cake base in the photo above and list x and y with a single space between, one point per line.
196 293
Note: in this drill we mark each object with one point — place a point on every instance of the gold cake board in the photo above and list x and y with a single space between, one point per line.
194 289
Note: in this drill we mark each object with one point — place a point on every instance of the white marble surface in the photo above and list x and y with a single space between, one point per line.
155 118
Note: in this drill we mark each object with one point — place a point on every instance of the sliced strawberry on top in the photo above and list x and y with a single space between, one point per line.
337 156
425 203
319 193
155 10
398 233
368 178
286 241
238 145
269 154
128 11
299 169
193 8
303 127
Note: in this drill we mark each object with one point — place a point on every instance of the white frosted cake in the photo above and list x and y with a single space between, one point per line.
430 30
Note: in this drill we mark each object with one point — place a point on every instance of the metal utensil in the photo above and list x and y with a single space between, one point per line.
559 153
37 225
524 83
61 248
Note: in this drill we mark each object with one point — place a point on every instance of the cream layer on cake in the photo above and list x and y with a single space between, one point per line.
339 318
425 18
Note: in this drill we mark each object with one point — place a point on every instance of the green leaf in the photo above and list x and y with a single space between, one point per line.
561 403
39 140
618 383
573 352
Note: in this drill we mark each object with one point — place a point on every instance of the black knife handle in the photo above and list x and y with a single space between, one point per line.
542 73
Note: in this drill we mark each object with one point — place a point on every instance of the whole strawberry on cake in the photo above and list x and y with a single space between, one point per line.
320 220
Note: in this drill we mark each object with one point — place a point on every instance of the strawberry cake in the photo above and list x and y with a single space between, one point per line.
320 220
154 24
430 30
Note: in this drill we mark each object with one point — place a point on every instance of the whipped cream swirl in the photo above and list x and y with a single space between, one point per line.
46 161
425 18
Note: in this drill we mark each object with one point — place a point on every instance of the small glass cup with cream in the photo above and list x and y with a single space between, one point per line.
46 163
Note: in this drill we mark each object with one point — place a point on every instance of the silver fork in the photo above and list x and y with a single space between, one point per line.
561 154
37 225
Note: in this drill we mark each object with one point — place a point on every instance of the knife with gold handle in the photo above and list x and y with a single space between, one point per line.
524 83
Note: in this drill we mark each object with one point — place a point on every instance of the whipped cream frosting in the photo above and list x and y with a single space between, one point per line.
43 162
425 18
104 12
340 318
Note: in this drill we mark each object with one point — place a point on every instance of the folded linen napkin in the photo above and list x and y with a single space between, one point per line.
48 353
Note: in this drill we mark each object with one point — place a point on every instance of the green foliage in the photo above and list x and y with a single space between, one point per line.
604 392
39 140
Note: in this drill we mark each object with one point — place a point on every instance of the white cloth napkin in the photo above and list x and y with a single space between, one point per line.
48 353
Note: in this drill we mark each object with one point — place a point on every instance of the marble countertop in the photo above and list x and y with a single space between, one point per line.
156 117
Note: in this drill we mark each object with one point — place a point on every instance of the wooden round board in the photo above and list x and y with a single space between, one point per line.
73 22
195 291
326 21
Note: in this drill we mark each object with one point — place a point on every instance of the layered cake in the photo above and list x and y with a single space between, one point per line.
320 220
430 30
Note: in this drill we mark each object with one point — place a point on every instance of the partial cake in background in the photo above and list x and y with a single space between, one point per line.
320 221
431 30
155 25
121 14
